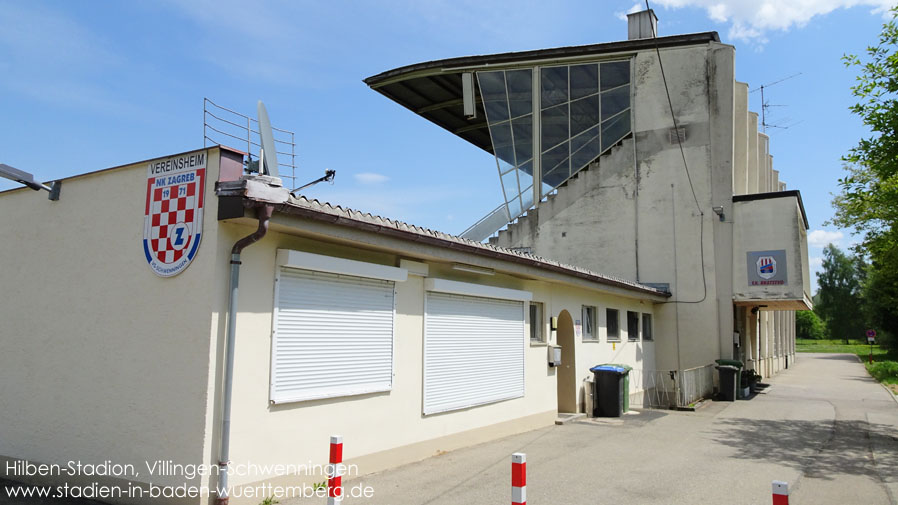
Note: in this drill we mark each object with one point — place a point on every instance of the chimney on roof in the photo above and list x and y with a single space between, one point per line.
642 25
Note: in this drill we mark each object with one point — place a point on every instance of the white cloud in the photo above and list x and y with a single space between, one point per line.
751 20
815 263
821 238
816 266
370 178
635 8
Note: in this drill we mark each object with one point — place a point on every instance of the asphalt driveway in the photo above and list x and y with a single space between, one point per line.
824 426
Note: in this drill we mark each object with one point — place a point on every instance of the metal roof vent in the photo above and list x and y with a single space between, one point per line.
642 25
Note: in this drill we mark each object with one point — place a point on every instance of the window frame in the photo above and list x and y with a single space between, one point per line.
647 336
633 336
608 335
589 313
540 326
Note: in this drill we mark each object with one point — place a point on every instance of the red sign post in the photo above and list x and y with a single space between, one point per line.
871 336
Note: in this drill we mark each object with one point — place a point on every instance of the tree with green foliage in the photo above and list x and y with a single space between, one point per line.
840 298
880 295
868 199
809 325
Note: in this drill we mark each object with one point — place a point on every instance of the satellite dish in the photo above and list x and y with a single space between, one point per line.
269 158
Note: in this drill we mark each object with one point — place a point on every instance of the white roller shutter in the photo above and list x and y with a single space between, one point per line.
333 336
473 351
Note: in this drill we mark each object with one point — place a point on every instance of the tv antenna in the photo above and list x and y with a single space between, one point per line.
766 105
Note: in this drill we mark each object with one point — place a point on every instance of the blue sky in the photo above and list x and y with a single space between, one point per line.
90 85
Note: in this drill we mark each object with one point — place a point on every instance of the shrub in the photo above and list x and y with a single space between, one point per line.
884 371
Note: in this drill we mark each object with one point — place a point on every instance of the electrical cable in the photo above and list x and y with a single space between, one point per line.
686 168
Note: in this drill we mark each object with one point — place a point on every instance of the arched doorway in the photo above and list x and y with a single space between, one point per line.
566 374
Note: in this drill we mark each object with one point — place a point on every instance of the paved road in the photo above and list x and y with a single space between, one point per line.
824 426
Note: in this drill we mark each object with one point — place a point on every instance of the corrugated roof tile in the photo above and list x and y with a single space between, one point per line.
339 211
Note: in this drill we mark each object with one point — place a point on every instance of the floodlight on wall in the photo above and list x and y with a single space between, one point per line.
27 179
467 93
719 211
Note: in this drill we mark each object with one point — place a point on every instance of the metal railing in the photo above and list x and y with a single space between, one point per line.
671 388
224 126
695 384
488 224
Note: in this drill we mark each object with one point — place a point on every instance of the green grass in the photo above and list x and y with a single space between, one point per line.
885 364
861 349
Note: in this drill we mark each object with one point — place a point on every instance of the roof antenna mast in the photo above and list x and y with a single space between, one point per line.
765 105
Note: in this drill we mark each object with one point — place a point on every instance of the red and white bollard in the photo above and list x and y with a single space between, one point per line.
780 493
519 479
335 476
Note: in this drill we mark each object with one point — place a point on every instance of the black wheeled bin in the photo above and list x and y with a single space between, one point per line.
609 390
738 364
729 379
626 385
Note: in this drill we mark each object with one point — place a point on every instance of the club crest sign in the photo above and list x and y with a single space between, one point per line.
173 215
766 267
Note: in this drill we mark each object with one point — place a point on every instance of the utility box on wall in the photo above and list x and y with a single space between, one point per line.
554 355
770 251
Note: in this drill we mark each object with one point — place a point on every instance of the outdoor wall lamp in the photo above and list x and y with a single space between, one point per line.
27 179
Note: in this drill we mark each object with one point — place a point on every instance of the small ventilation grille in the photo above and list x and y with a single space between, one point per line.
676 135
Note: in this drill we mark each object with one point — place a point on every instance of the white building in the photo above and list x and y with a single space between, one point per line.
119 305
345 321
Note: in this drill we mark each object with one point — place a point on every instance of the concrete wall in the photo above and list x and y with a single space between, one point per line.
753 167
101 358
569 225
764 225
635 215
741 132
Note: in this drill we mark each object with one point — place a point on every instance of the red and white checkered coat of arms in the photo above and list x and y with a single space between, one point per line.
173 217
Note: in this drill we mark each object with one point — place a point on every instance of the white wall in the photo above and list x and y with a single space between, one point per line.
101 358
386 429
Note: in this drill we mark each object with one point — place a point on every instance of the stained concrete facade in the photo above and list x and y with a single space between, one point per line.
662 212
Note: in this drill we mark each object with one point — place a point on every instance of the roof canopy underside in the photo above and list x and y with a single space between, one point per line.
433 89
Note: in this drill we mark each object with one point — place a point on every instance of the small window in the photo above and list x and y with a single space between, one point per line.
632 326
647 327
589 323
612 324
537 332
